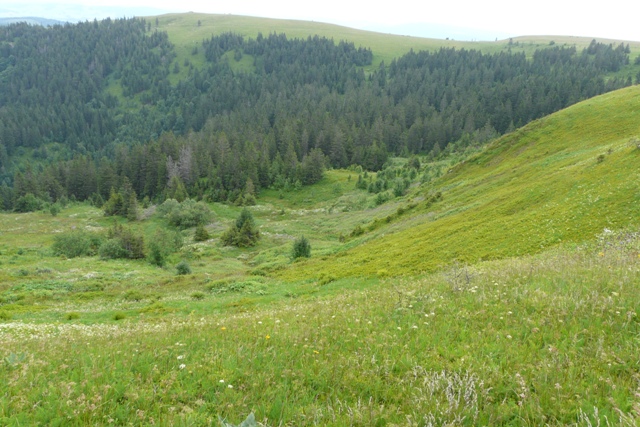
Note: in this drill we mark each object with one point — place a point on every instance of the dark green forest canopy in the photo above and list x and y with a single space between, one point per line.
93 105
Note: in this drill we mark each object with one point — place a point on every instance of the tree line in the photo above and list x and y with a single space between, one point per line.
88 107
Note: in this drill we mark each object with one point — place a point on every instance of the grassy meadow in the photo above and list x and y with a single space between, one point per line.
502 289
187 30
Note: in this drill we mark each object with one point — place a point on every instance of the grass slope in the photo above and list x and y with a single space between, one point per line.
187 30
558 180
543 339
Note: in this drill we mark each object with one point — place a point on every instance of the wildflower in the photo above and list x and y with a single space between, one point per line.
223 328
229 386
267 337
221 381
182 366
181 357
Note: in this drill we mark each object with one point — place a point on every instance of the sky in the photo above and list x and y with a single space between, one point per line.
461 19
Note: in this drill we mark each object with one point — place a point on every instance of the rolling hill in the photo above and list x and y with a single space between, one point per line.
188 29
561 179
501 289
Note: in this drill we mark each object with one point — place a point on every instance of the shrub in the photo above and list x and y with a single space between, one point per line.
72 316
325 279
197 295
163 243
5 316
357 231
186 214
122 243
156 255
28 203
201 234
119 316
183 268
76 243
112 249
301 248
133 295
54 209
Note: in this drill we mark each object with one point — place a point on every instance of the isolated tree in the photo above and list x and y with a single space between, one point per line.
301 248
243 233
201 233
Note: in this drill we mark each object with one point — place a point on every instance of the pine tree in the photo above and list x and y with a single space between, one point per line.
243 233
301 248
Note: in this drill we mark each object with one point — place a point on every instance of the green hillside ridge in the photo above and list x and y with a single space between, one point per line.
561 179
187 30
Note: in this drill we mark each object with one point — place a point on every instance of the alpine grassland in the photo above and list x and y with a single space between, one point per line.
560 179
187 30
497 285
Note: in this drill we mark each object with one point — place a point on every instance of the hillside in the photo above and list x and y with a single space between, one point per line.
559 180
188 29
548 338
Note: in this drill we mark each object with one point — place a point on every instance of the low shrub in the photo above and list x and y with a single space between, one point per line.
183 268
76 243
72 316
122 243
186 214
28 203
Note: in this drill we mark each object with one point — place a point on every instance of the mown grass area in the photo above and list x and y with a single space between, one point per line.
543 340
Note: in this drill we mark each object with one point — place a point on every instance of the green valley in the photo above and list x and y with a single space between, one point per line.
469 261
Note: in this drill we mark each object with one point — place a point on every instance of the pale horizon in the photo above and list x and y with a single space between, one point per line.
463 20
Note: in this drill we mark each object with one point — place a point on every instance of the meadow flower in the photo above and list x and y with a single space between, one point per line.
182 366
181 357
229 386
267 337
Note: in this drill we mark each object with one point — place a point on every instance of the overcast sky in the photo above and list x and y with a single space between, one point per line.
488 19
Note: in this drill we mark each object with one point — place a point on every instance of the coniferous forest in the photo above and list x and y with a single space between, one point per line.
92 107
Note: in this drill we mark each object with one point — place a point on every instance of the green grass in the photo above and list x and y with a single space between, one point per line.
505 302
548 339
185 33
560 179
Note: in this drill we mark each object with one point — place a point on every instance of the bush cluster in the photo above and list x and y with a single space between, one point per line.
186 214
76 243
122 242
